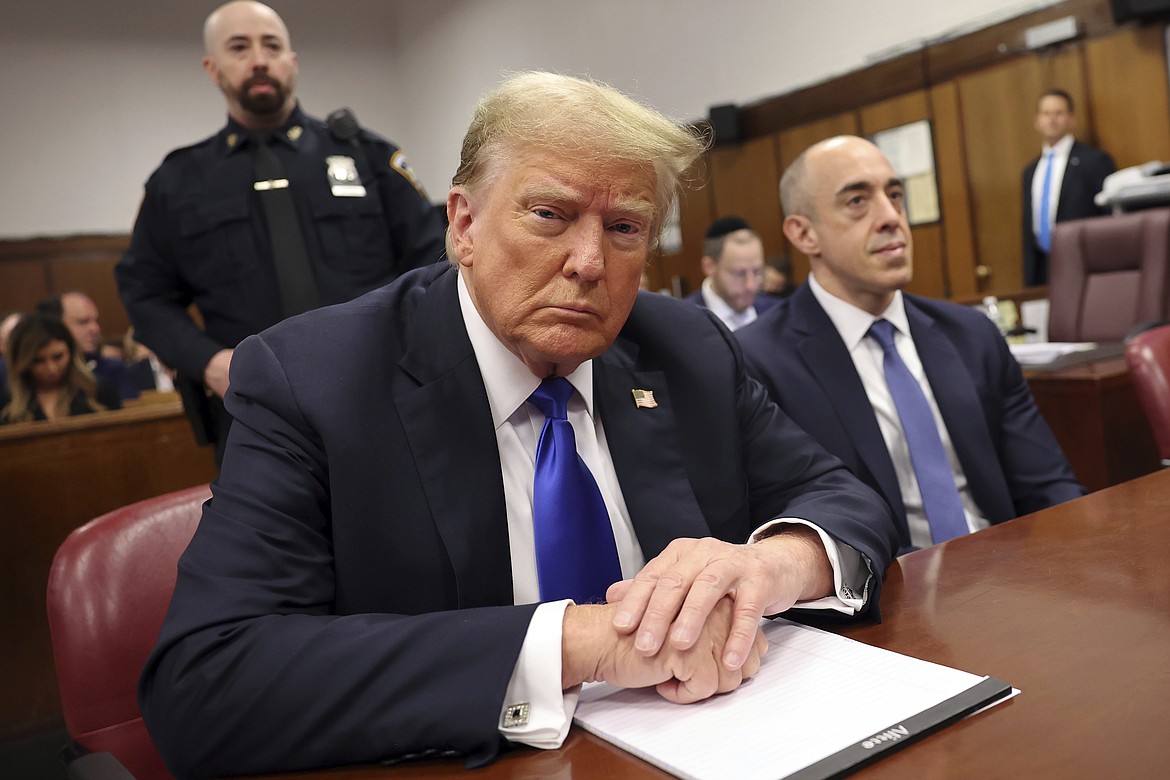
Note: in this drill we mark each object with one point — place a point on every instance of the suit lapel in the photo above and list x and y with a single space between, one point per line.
822 351
646 450
448 424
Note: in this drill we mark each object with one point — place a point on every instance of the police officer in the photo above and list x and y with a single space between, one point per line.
275 214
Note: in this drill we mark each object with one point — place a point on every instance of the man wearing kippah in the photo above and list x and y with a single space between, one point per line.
733 261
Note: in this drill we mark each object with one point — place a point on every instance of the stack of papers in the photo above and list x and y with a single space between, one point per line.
1039 354
819 705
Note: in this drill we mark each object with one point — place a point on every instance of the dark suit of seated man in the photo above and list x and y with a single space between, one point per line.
375 576
844 208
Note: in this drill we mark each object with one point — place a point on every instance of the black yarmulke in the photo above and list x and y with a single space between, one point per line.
725 225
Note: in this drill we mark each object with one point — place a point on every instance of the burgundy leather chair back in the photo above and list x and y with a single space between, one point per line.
1148 356
1108 274
109 589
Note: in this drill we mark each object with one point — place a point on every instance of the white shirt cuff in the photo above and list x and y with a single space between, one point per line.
536 711
845 598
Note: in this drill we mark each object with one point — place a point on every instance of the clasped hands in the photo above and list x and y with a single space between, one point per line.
688 623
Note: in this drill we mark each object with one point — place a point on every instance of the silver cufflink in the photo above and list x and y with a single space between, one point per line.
516 715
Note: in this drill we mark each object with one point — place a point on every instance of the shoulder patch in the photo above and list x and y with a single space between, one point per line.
399 163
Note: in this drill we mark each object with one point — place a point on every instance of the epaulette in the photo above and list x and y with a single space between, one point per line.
180 151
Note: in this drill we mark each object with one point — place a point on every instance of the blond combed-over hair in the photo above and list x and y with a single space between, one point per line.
579 119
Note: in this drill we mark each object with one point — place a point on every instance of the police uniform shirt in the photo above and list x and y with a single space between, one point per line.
201 236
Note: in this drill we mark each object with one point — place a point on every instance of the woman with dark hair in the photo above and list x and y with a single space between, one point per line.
47 379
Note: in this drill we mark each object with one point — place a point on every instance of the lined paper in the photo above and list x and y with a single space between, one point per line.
815 694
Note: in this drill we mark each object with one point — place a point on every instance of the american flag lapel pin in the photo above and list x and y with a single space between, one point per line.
644 399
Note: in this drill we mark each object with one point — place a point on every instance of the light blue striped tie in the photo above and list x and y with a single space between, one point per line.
936 482
1044 236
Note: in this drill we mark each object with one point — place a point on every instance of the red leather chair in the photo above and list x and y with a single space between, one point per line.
109 589
1148 355
1108 274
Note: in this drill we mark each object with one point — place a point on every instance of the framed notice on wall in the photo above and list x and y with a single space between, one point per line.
910 150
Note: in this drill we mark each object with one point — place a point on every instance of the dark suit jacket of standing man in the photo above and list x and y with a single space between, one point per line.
1083 178
1011 459
362 494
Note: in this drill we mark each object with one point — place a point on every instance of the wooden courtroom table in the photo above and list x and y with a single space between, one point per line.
1094 412
1070 605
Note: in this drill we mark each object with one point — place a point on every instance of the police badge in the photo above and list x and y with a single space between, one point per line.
343 177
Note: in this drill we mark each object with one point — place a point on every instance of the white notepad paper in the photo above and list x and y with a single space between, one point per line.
819 703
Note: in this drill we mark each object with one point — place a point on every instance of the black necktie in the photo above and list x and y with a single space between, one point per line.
294 275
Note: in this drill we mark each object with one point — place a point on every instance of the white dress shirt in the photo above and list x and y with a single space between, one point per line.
1061 151
536 680
853 324
720 308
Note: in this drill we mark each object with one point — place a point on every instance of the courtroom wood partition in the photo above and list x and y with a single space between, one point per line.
54 477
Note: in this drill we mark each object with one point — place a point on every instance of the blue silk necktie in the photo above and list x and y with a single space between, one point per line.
1044 234
940 497
576 557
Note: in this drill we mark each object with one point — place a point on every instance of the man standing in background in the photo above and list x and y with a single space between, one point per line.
276 214
1060 184
733 263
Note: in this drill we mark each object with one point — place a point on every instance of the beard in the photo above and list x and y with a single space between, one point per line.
264 103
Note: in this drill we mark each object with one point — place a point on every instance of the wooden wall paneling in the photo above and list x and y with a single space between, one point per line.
878 81
900 110
746 183
93 274
32 269
1065 70
1127 91
958 242
1005 41
997 107
929 271
795 140
22 284
696 211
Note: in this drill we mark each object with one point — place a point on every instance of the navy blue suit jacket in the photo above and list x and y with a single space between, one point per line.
1083 178
348 595
1012 461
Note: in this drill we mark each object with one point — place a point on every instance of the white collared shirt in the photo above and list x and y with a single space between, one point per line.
852 325
1061 151
536 680
733 319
